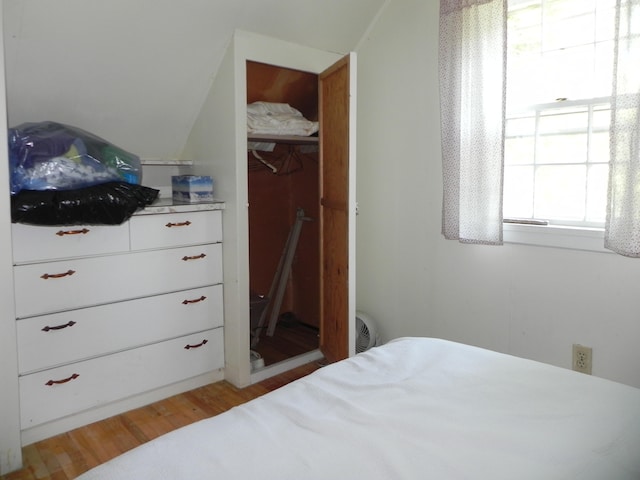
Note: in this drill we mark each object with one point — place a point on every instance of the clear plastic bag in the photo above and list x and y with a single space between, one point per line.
54 156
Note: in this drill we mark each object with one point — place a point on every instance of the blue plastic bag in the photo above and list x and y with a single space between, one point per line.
54 156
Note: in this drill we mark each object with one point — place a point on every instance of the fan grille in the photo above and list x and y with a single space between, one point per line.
363 336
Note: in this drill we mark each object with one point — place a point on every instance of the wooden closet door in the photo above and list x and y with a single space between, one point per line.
337 180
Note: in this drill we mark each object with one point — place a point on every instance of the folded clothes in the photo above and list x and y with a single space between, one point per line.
269 118
41 141
63 173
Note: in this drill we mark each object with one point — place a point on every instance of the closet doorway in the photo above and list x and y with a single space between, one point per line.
319 185
283 179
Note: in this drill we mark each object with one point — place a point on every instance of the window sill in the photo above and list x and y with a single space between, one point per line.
590 239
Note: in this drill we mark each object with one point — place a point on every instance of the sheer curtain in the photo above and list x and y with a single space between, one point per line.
622 229
472 64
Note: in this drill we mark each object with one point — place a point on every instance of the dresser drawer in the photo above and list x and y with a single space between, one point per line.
62 391
52 340
67 284
34 243
175 229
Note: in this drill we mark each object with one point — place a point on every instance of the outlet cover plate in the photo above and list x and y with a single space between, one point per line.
582 358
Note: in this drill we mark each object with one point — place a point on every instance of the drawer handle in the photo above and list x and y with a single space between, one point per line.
179 224
59 327
62 233
58 382
195 300
195 257
68 273
187 347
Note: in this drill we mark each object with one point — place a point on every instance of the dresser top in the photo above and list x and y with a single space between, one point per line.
168 205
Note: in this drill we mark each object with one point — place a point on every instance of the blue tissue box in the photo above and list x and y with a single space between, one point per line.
192 188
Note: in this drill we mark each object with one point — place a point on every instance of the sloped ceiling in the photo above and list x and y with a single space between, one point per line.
136 72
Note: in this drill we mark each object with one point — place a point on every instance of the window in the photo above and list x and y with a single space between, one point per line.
559 79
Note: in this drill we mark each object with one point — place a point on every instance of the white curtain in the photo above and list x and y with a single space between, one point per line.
622 229
472 63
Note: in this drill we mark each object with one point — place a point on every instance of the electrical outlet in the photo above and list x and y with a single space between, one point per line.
582 358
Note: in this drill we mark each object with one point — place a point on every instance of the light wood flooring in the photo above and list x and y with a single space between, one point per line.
68 455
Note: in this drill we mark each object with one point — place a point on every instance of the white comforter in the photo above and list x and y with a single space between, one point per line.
415 408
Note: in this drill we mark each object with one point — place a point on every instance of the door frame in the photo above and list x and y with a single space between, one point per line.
218 146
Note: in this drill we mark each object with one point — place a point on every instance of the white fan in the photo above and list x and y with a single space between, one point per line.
366 332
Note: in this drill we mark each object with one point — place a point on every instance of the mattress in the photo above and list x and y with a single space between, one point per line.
415 408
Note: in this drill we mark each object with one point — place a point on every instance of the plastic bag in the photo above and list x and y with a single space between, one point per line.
54 156
105 204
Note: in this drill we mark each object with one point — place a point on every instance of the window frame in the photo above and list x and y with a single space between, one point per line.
572 238
576 235
534 111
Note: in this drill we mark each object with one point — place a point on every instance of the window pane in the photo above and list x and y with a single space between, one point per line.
563 138
569 27
605 19
562 148
525 80
597 193
560 192
557 10
524 47
599 148
569 73
601 120
518 192
603 74
519 150
564 121
524 13
520 126
519 146
524 39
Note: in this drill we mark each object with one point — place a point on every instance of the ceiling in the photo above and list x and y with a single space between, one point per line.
136 72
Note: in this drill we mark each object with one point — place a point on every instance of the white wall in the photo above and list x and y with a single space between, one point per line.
10 453
533 302
136 73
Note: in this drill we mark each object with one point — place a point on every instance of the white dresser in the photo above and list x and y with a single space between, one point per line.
108 313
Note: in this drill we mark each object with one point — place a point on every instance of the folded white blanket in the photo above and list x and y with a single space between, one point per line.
278 119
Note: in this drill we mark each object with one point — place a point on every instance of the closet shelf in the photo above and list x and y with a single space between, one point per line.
165 163
286 139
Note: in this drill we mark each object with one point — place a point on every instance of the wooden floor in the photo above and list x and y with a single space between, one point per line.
68 455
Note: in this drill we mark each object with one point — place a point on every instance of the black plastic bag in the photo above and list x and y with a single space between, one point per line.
106 204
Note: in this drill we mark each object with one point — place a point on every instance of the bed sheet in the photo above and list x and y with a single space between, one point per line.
415 408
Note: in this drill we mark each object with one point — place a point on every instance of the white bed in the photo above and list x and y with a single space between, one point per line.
415 408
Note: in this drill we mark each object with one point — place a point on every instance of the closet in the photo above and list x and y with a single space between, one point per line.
219 146
283 191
